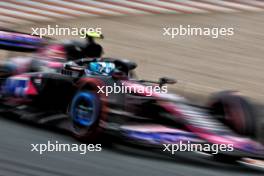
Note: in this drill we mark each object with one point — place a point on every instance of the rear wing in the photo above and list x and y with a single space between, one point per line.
18 41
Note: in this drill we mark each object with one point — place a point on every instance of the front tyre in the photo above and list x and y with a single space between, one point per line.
234 111
85 115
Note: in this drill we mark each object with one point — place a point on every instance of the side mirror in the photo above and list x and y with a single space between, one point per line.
119 75
166 80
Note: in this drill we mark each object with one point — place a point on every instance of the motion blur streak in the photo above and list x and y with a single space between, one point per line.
133 30
48 10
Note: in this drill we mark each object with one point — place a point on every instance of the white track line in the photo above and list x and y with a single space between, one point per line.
24 15
114 7
28 11
76 7
211 7
63 10
137 6
148 5
234 5
255 3
180 6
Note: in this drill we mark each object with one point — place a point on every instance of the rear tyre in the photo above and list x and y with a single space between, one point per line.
234 111
85 115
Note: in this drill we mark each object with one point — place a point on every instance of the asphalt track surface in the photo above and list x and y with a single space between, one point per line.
16 159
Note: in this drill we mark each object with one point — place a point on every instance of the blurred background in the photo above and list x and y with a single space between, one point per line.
133 29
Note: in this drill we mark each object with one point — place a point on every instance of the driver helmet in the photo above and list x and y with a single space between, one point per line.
105 68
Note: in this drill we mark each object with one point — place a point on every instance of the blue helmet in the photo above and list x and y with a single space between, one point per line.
105 68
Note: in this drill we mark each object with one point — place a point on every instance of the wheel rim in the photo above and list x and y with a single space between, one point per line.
83 110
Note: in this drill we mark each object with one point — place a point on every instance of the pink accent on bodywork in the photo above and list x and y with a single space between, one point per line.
152 128
22 64
210 136
31 90
204 133
55 64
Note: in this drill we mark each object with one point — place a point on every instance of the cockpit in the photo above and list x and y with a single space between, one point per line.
102 66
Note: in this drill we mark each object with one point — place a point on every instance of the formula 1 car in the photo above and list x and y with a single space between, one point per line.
95 97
